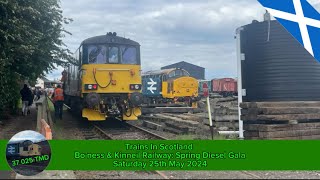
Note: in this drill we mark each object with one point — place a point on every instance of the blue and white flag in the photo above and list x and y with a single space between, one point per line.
300 19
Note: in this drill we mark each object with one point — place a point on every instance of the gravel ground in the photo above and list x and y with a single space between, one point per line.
116 175
199 175
161 133
244 175
15 124
7 175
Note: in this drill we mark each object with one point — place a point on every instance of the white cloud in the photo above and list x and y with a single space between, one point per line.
169 31
27 135
55 74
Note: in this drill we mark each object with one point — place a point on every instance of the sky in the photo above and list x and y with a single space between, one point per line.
200 32
27 135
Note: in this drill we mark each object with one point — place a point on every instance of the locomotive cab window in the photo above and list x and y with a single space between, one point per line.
128 55
178 73
97 54
113 55
185 73
172 74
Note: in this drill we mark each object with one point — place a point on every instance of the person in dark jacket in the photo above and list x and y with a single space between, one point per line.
26 95
38 94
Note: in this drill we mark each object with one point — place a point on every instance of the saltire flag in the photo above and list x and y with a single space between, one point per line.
300 19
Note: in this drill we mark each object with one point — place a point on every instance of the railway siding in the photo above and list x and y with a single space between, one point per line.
224 113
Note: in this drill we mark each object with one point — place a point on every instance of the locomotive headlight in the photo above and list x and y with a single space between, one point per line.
91 86
135 86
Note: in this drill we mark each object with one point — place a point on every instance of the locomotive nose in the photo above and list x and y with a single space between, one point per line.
136 98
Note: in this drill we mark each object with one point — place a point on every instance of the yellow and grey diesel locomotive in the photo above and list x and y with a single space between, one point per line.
106 82
169 86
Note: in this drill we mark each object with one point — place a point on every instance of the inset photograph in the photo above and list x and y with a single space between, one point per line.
28 153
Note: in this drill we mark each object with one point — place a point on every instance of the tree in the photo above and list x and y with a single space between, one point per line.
31 44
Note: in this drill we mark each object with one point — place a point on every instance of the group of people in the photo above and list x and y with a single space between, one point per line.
28 96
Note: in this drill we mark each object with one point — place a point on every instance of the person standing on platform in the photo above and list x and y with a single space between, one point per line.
26 95
58 99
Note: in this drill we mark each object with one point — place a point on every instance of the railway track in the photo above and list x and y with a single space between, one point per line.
126 131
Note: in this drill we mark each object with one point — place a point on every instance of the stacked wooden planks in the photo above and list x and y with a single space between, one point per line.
281 120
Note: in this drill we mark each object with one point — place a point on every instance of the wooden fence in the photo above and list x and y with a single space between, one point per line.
44 119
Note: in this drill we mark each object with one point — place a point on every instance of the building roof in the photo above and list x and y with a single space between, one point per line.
157 72
182 62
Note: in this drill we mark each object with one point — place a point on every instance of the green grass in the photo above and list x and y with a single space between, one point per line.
51 106
219 137
20 104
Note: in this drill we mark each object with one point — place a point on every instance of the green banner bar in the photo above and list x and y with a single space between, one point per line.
181 155
3 162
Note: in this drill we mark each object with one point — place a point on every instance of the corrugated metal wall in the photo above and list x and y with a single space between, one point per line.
279 69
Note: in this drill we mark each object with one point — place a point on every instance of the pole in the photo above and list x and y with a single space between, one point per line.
239 59
210 118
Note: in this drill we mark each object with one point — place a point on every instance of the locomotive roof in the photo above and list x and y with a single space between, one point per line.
110 39
159 72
